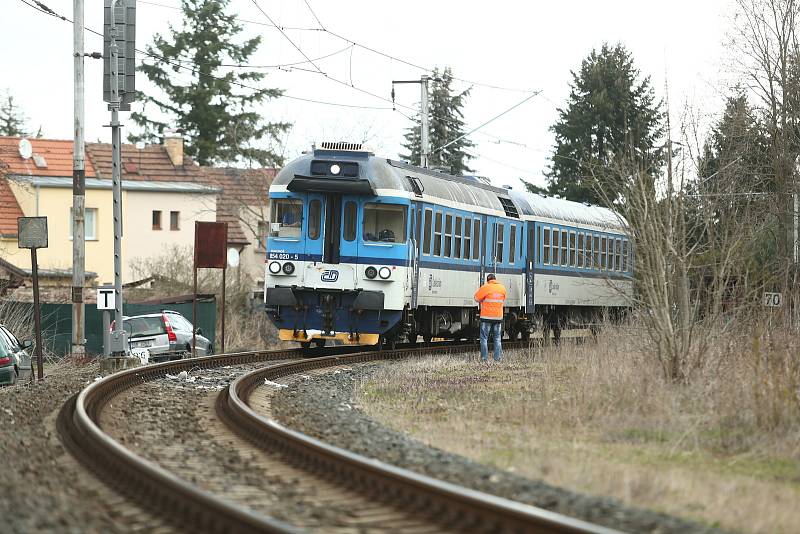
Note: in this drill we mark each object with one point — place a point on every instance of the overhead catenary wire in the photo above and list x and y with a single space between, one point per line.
50 12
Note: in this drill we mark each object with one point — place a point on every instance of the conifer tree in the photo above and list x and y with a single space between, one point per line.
611 116
446 123
210 103
12 120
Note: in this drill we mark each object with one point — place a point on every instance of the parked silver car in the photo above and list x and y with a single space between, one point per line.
15 362
166 335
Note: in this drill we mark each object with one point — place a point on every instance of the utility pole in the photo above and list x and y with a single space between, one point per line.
424 131
78 188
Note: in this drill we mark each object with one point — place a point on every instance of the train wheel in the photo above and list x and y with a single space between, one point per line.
305 345
320 342
427 338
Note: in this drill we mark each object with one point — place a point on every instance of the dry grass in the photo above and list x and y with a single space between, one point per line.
601 419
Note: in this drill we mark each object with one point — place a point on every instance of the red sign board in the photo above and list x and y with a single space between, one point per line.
210 244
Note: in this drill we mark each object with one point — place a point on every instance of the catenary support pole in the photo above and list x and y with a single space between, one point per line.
119 343
78 187
425 143
222 343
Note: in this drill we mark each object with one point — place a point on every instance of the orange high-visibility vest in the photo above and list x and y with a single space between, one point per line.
491 295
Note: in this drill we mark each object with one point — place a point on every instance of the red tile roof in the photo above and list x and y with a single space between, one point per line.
57 154
150 163
9 209
242 189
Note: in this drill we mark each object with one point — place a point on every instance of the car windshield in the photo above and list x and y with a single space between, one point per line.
144 326
4 351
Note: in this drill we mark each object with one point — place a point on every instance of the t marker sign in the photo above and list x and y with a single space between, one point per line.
106 299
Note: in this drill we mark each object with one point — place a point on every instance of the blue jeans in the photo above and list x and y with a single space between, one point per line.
494 329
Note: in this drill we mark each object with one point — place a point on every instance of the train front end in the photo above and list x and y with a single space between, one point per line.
337 250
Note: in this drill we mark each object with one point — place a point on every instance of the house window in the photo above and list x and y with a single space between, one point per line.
156 220
261 243
476 236
174 220
564 247
426 239
437 235
89 224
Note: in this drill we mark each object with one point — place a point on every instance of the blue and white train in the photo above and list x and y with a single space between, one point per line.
368 250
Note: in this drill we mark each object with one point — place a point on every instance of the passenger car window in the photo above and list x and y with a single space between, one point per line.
448 235
144 326
580 250
13 342
512 245
437 236
499 250
385 223
426 240
458 239
350 213
467 239
572 249
546 246
287 218
314 218
476 235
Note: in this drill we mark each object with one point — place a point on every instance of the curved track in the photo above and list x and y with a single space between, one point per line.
196 510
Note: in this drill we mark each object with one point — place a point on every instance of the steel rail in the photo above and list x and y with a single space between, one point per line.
469 509
180 502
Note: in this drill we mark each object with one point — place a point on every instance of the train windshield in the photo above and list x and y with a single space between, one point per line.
287 218
384 223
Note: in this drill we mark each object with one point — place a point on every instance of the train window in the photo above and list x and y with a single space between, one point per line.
564 247
546 246
314 218
603 251
467 239
618 254
610 254
587 257
512 245
554 246
437 235
448 235
580 250
572 249
498 256
476 236
596 253
287 218
385 223
350 215
624 255
426 239
458 237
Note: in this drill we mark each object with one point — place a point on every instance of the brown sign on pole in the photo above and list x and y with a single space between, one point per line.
32 234
210 245
210 252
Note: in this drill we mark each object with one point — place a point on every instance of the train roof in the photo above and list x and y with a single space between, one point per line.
381 176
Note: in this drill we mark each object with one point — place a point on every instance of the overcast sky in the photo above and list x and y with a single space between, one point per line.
523 46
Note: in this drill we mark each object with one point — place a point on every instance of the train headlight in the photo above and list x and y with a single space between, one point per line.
288 267
274 267
370 272
335 169
385 273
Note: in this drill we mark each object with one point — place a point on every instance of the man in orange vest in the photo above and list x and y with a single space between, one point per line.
491 296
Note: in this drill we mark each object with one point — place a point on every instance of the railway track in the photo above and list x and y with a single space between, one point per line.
431 502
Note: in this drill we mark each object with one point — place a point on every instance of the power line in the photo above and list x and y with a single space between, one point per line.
47 11
460 137
314 15
255 3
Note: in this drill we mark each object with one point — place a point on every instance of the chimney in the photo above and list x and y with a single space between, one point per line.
173 142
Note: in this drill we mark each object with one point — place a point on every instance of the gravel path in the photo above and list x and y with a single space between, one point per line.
323 407
42 488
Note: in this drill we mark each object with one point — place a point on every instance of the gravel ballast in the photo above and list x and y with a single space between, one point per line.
42 488
323 407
